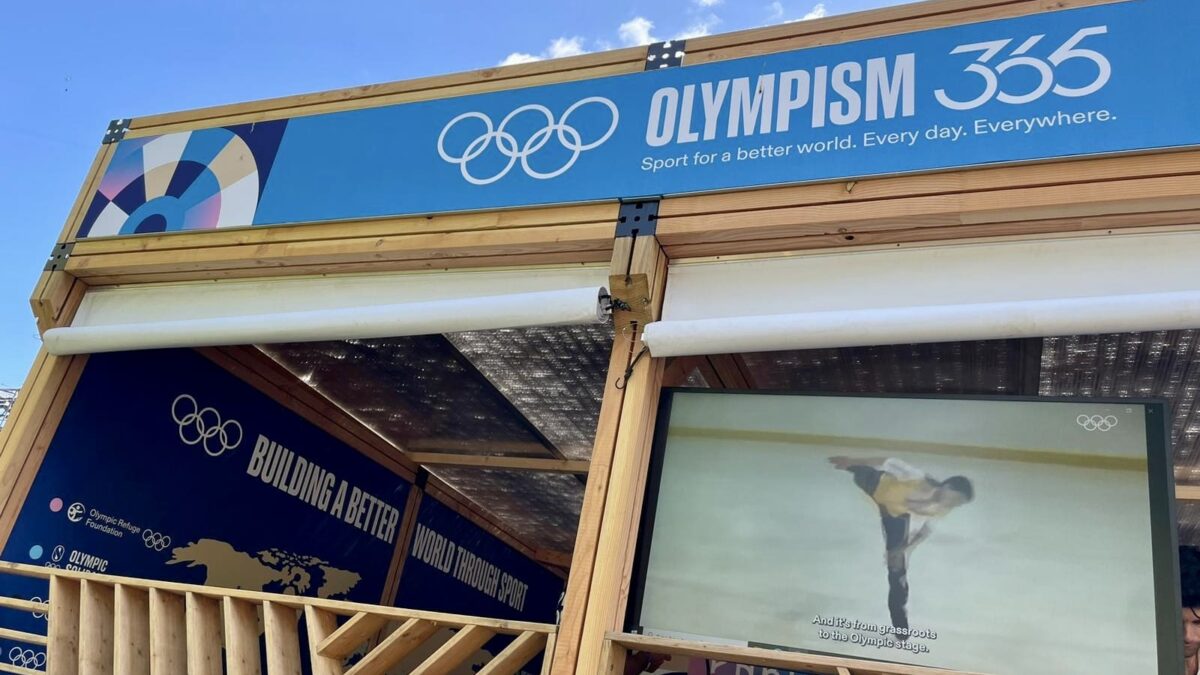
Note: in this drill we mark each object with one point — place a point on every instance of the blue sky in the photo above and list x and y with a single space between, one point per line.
71 66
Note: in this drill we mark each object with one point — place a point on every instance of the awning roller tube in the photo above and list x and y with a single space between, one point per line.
574 306
921 324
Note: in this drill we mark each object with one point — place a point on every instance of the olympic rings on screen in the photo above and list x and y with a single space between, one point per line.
1097 422
155 540
568 136
26 658
202 426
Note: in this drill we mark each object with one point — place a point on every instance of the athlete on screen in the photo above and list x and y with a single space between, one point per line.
908 499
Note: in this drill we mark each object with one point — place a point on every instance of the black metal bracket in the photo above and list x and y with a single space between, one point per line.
637 217
58 257
667 54
116 130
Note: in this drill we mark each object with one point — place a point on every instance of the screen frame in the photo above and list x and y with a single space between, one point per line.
1164 540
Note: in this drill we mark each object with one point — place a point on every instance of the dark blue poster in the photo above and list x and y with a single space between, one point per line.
165 466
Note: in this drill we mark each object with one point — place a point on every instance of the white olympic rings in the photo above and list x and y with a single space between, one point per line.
1097 422
26 658
155 540
506 143
202 425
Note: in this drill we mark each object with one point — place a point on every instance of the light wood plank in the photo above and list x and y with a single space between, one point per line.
351 634
131 634
548 654
62 656
771 658
22 636
203 635
320 625
394 647
283 639
96 625
519 652
1187 492
241 638
498 462
842 670
168 633
457 649
24 605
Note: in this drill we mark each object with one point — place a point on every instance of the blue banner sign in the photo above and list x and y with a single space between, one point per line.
165 466
1112 78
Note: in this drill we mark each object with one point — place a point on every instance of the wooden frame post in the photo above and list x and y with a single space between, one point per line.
603 557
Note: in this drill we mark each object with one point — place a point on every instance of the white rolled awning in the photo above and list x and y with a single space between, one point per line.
980 291
328 308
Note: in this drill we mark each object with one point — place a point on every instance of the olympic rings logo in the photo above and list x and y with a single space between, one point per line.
155 540
200 426
567 135
1097 422
26 658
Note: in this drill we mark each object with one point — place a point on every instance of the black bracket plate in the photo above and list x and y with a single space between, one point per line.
116 130
640 216
58 257
667 54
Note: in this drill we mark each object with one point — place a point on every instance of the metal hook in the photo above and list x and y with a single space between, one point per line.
624 379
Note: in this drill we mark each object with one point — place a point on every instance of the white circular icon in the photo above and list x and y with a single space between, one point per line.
75 512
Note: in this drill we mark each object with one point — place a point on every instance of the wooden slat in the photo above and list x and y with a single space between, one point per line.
499 462
24 605
131 634
241 638
283 639
351 634
516 654
203 635
7 668
22 636
547 660
457 649
320 625
772 658
842 670
168 633
96 625
62 655
394 647
1187 492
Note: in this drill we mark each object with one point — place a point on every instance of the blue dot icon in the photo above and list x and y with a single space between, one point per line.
36 552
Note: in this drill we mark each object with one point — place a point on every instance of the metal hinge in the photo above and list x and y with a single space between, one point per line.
58 257
637 218
667 54
116 130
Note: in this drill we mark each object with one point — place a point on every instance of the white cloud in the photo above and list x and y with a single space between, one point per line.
818 11
563 47
519 57
636 32
708 3
699 28
558 48
776 11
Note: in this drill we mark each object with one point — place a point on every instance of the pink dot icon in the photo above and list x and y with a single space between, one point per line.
56 504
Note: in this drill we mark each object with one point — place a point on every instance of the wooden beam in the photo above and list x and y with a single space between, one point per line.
1189 493
131 635
242 656
321 624
168 633
457 649
501 462
203 635
282 639
62 654
518 652
351 634
771 658
395 647
96 621
612 496
556 558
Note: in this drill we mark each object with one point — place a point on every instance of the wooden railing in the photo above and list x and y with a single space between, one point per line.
105 625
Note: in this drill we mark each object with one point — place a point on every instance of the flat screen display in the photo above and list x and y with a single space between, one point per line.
993 535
